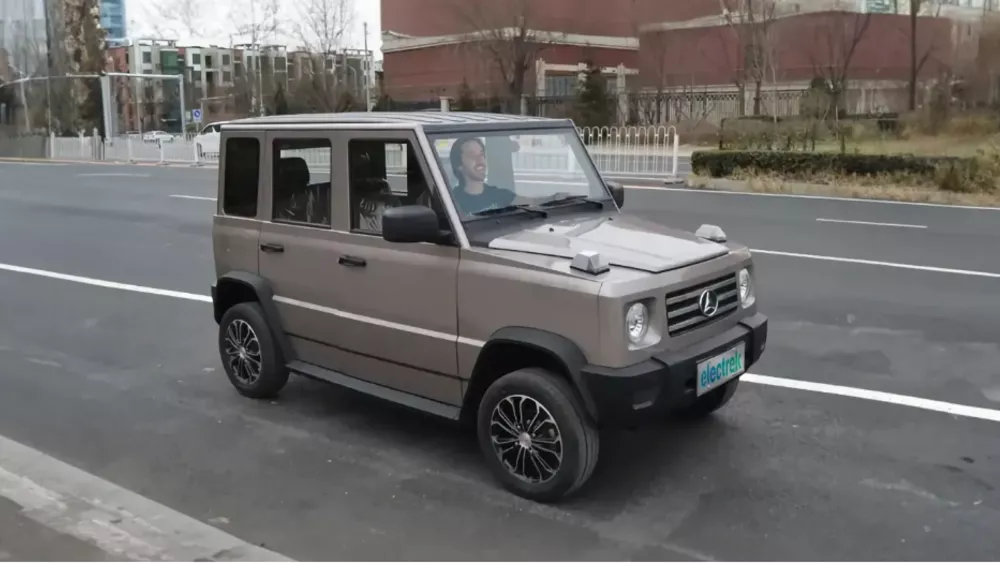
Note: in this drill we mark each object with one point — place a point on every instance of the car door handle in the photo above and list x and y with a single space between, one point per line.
352 261
271 247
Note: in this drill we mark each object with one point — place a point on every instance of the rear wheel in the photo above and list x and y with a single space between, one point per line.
710 402
535 435
252 360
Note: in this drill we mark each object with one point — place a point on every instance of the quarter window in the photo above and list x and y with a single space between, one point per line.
242 175
385 174
300 182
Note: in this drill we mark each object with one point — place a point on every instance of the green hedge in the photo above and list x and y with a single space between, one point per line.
718 164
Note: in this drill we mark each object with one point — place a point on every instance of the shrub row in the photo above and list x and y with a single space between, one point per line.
719 164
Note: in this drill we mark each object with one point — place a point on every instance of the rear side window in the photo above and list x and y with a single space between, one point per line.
242 175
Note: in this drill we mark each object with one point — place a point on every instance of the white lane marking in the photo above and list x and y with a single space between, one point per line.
203 198
822 388
818 197
120 522
114 175
878 396
975 273
106 284
901 225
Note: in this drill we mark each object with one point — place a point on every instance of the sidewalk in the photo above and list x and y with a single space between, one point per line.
23 539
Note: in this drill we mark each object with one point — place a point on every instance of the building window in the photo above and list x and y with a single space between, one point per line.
227 76
560 86
196 58
147 57
225 60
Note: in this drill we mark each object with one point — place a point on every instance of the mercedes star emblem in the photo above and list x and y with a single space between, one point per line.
708 303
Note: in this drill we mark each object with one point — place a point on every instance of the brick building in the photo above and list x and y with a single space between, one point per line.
692 46
431 46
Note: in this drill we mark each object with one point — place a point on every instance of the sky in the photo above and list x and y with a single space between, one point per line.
215 19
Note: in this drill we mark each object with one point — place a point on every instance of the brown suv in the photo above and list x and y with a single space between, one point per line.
477 267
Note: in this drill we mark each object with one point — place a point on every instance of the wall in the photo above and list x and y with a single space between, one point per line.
801 45
425 18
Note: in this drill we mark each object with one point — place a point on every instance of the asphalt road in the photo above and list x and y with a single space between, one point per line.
128 387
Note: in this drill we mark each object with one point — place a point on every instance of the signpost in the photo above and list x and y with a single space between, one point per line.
196 115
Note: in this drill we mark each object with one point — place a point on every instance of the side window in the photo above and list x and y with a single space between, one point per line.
242 175
300 181
385 174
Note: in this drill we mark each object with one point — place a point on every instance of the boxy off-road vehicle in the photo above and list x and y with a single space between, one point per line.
477 267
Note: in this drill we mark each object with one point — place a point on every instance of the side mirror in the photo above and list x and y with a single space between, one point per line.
617 192
410 223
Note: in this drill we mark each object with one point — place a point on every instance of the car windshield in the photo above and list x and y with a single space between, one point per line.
512 171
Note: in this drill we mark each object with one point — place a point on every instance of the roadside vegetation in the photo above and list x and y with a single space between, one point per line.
901 157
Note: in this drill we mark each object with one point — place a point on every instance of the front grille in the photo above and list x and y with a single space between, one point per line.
684 313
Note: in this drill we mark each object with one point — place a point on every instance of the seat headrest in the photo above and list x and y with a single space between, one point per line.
293 171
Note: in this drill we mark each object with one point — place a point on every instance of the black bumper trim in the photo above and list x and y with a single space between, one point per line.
626 396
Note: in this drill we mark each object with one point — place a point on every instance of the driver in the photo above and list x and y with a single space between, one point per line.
473 194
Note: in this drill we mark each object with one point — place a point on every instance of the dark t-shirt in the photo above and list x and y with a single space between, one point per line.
490 197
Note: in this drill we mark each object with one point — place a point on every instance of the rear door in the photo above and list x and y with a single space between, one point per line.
239 204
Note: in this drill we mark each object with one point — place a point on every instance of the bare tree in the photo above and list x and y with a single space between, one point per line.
181 18
751 22
321 28
506 33
917 61
256 22
834 52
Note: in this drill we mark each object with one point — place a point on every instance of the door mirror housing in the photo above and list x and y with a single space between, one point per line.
617 192
411 223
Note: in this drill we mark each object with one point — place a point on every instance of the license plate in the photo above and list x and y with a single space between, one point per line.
717 370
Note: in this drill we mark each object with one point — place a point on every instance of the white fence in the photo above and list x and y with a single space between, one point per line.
644 151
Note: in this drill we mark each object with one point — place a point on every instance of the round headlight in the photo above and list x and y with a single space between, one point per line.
747 296
636 322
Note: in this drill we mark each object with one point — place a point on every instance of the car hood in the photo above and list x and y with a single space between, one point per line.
622 240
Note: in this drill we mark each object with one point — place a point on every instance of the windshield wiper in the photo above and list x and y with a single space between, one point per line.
510 209
573 199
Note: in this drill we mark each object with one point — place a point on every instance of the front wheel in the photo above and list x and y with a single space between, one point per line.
537 438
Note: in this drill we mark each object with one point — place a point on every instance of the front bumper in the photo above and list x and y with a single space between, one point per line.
629 395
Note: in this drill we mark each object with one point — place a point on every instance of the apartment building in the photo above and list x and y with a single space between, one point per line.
114 20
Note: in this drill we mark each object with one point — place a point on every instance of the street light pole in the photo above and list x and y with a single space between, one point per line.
368 70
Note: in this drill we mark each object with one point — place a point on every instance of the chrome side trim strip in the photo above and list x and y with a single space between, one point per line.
380 322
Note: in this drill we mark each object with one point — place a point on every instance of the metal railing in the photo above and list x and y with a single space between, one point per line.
626 152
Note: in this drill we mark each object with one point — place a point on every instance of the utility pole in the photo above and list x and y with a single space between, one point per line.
368 70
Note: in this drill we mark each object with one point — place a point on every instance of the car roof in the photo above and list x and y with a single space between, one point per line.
429 121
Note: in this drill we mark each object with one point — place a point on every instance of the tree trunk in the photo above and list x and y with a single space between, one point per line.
914 8
757 86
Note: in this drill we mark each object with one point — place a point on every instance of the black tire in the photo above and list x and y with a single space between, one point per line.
579 441
710 402
273 374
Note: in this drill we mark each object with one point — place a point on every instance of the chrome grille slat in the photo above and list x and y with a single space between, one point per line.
694 291
683 312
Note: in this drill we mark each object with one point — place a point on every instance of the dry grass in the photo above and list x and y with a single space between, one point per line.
924 145
858 188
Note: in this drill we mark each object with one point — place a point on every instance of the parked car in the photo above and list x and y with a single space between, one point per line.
157 137
531 306
207 141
